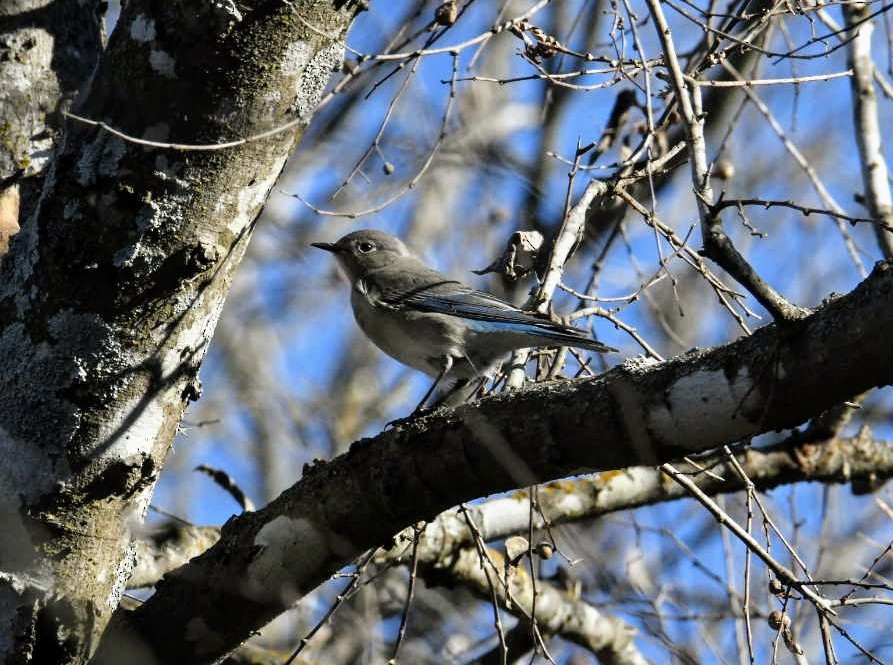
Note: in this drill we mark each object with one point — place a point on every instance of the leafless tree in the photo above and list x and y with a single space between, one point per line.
670 174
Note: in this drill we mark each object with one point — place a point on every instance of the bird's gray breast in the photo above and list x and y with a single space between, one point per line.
418 339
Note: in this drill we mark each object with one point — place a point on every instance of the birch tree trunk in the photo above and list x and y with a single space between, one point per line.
110 294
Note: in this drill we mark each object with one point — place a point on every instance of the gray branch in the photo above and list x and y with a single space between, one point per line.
638 413
875 175
864 462
717 244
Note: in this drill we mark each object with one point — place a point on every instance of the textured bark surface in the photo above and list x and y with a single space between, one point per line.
108 299
861 461
638 413
47 52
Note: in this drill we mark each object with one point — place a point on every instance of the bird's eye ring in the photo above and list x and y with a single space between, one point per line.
366 247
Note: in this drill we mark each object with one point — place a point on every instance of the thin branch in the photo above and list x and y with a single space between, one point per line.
804 164
413 571
415 179
784 574
717 245
188 147
875 174
794 80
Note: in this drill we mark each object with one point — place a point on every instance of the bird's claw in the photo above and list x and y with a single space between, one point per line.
418 412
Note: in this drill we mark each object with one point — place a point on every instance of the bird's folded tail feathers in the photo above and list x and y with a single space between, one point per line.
557 333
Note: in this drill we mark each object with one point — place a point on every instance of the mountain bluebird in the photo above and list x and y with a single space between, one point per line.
432 322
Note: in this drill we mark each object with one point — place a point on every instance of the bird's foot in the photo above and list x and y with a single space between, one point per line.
418 411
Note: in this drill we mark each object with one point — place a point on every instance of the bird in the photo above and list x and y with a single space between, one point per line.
433 323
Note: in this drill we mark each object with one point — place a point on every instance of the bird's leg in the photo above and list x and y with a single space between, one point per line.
457 394
460 393
446 364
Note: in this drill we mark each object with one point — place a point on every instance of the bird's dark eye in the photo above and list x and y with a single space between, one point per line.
366 247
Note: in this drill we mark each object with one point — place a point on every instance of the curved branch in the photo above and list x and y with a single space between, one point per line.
555 611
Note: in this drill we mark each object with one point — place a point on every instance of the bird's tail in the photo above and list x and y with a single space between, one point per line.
539 331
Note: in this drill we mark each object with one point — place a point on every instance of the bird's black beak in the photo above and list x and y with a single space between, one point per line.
328 246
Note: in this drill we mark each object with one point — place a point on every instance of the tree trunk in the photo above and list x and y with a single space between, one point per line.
109 297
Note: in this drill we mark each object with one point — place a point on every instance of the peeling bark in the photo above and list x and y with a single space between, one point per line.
109 297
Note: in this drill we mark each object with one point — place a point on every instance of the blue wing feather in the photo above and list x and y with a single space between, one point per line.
432 291
487 313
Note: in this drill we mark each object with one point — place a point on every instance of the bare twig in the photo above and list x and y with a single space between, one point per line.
717 245
413 571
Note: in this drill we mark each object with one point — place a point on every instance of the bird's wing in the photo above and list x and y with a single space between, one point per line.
410 283
432 291
459 300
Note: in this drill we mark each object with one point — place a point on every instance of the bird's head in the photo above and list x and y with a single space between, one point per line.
363 251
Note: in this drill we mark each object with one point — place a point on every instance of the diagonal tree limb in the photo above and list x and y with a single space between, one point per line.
863 461
638 413
854 460
717 244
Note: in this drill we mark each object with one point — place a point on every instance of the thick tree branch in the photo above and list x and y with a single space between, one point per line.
865 462
638 413
862 461
167 548
446 547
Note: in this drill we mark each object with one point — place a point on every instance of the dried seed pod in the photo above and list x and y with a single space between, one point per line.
779 619
546 45
447 13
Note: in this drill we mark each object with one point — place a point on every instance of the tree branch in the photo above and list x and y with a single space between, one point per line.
638 413
875 174
717 244
863 461
555 611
